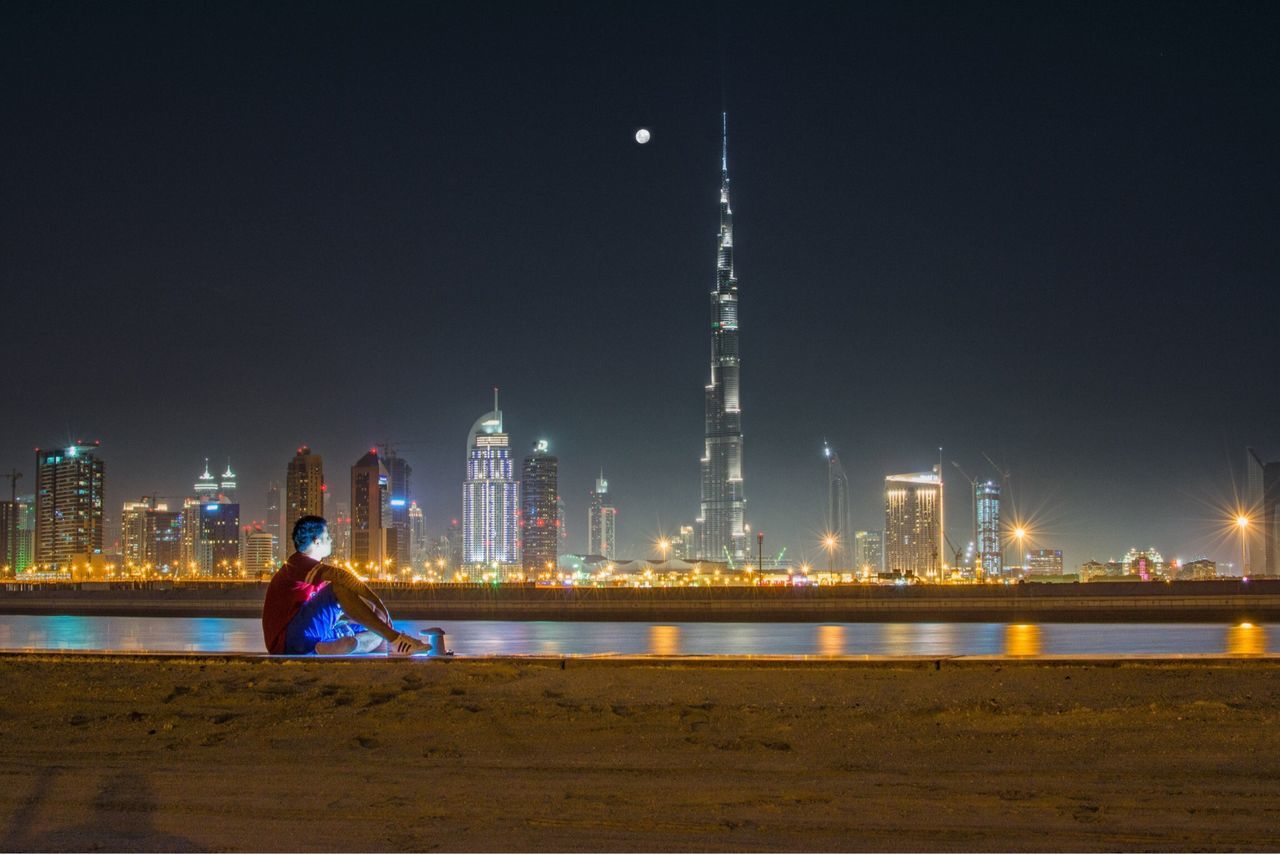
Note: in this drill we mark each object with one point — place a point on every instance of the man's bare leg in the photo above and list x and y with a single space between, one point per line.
363 606
368 642
341 646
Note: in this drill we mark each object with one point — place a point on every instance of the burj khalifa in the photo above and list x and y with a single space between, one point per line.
721 522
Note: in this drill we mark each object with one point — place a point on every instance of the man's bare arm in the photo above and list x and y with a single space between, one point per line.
357 600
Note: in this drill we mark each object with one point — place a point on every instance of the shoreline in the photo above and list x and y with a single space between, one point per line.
212 753
1214 601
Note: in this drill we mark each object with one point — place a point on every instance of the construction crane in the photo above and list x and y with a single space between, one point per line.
952 546
1004 477
973 494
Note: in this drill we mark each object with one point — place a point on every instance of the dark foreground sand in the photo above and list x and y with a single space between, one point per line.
205 753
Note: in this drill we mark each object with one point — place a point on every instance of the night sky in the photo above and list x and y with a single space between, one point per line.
1047 232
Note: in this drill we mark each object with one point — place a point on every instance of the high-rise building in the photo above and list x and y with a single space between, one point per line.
561 527
69 505
370 513
601 521
206 485
304 490
227 484
489 495
990 550
218 540
258 551
189 558
722 514
418 542
1145 563
913 523
682 543
339 530
17 534
26 533
1263 484
457 546
868 552
539 528
133 532
162 538
839 524
1043 562
275 512
399 496
8 538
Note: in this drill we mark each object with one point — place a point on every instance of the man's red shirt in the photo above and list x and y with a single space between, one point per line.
291 587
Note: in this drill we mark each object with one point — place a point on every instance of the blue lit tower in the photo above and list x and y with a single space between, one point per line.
990 553
490 500
723 507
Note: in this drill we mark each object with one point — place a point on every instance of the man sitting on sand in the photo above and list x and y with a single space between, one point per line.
315 607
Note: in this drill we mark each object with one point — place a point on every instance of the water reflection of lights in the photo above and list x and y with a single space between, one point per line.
1022 639
831 640
664 640
1246 639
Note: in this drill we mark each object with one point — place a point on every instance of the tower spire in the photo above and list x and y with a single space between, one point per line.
722 522
724 144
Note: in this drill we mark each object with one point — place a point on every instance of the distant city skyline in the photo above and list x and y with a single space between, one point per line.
977 243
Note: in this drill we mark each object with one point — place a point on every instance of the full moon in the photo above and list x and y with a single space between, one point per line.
642 136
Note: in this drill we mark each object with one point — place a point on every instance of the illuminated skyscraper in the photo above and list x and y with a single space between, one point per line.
722 515
490 500
218 539
26 533
990 550
339 519
133 532
838 519
539 530
227 484
913 523
206 486
1263 484
258 551
69 504
274 514
1044 562
304 491
370 512
162 538
399 495
602 520
150 536
868 551
561 526
8 538
189 558
418 543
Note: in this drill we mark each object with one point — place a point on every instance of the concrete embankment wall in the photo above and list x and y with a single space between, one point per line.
1216 601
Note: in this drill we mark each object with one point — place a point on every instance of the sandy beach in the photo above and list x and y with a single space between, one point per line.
209 753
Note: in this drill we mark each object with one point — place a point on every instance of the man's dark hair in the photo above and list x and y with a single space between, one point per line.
307 530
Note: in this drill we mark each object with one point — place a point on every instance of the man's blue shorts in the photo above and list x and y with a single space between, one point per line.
320 619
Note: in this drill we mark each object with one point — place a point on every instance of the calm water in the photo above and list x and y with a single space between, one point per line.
479 637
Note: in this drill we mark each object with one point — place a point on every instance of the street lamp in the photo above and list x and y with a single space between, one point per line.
1242 525
664 545
1020 534
829 542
